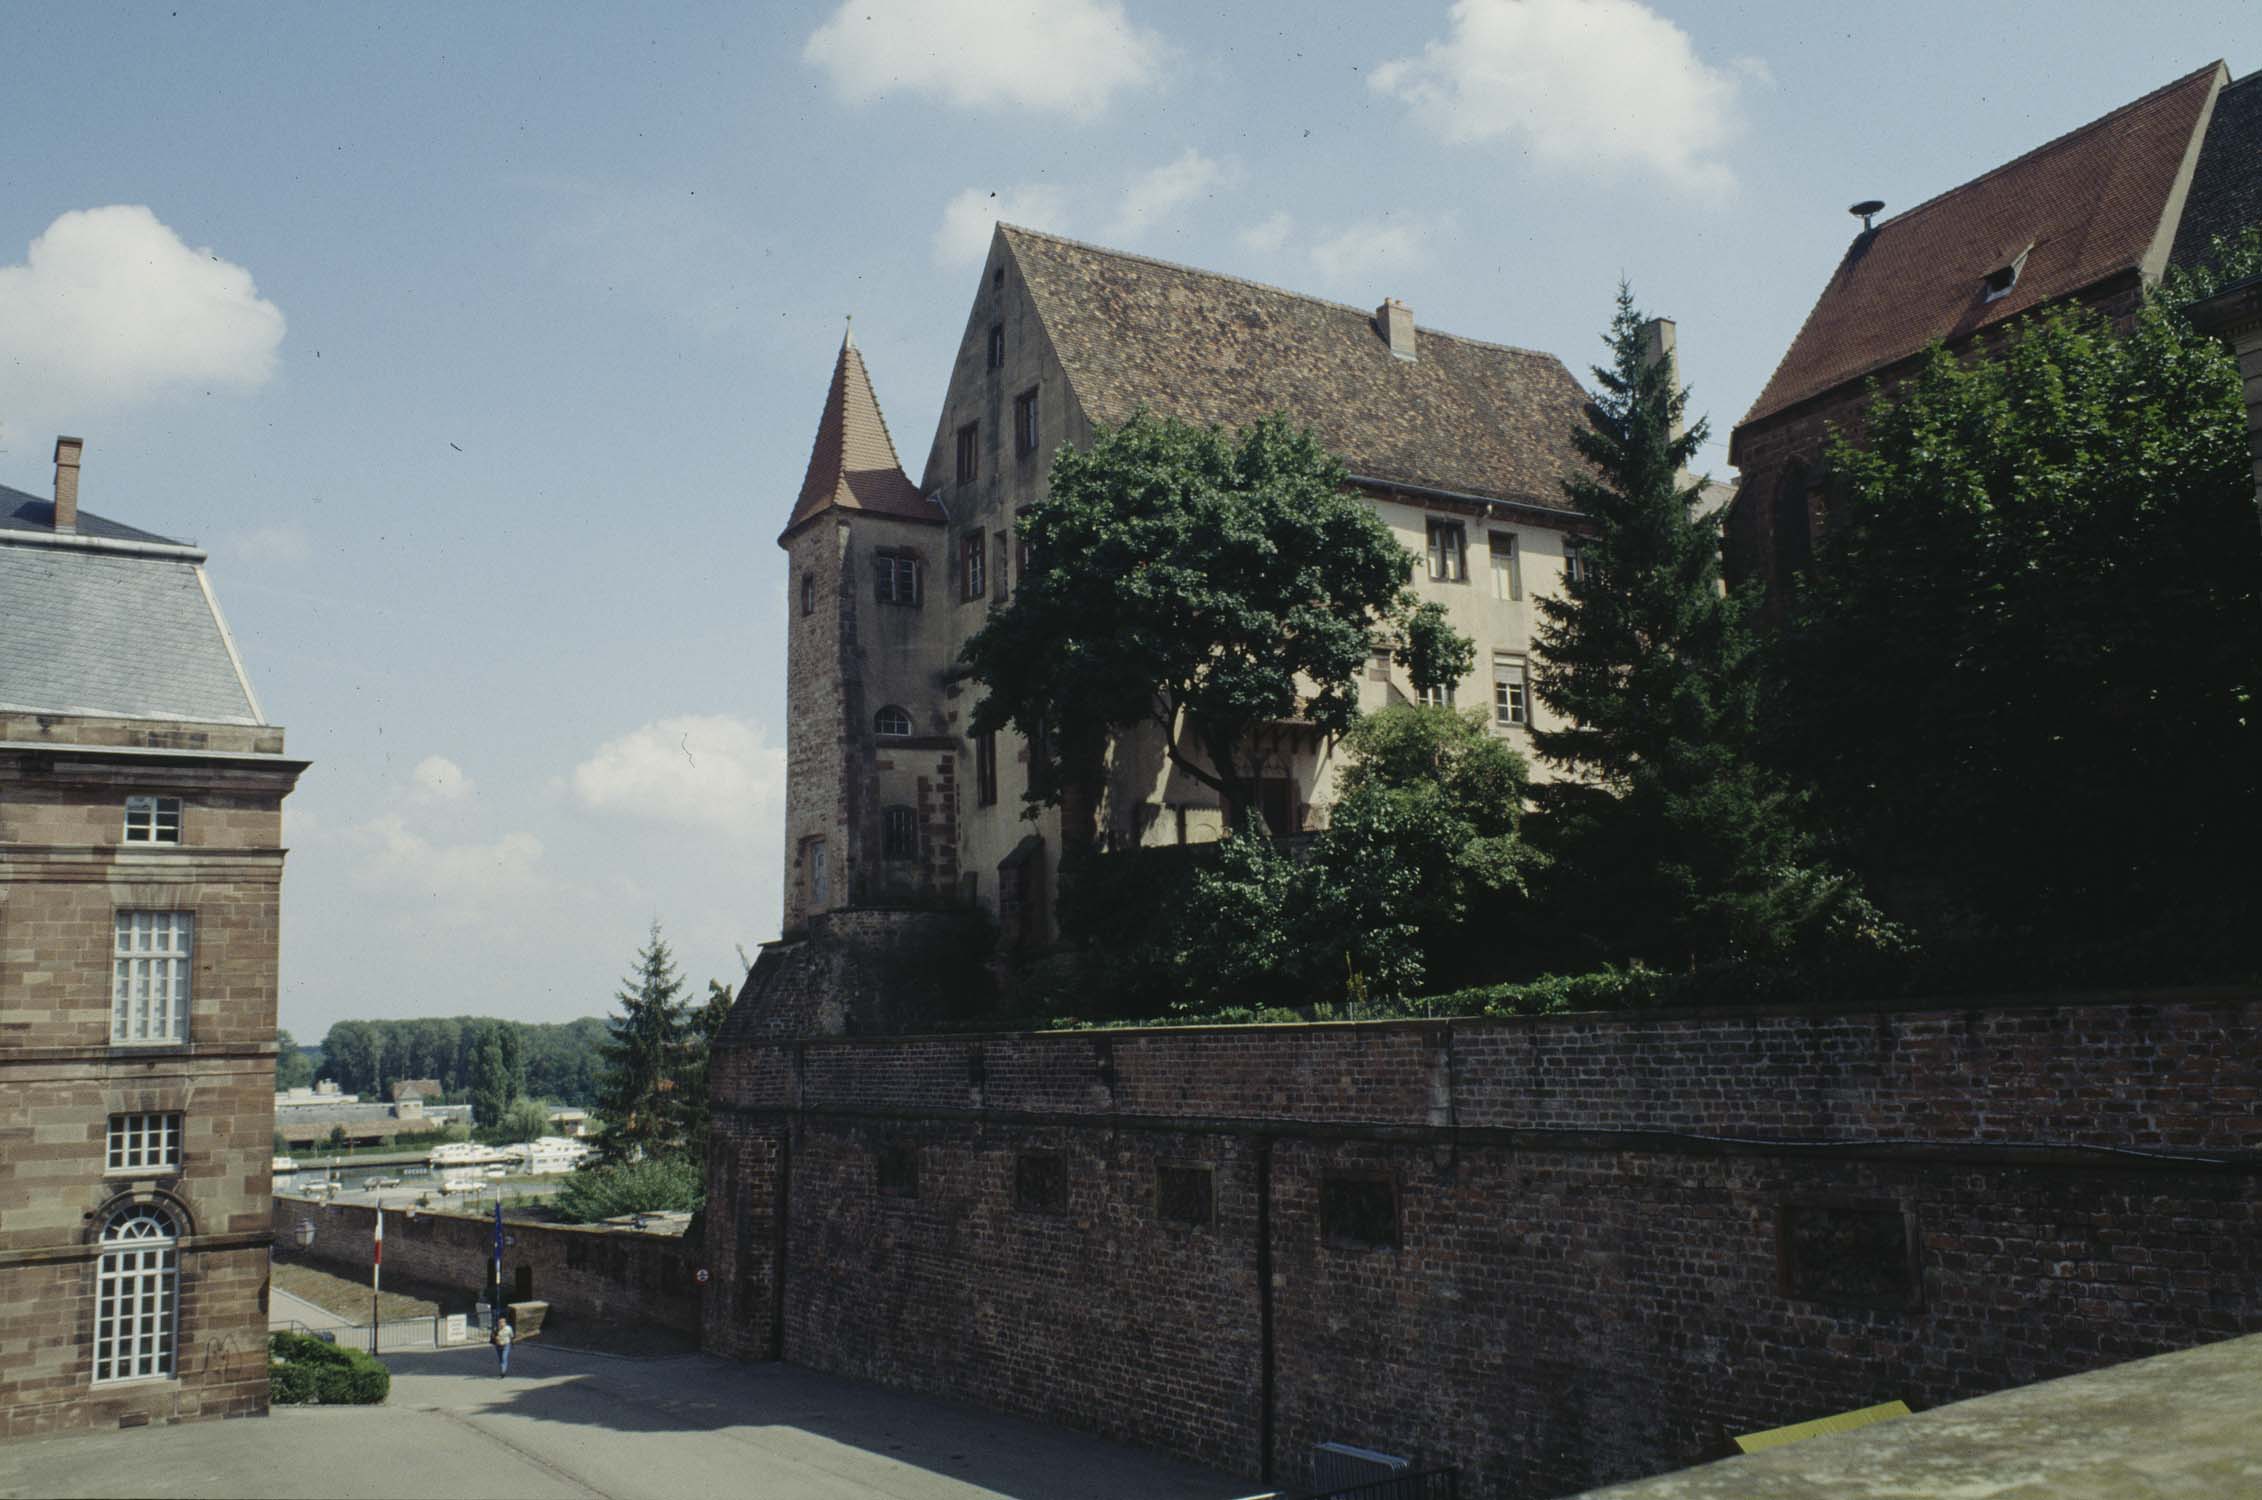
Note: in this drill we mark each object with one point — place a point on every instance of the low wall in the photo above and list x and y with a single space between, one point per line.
1557 1252
587 1275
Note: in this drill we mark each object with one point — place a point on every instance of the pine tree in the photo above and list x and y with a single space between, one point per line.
639 1098
1672 844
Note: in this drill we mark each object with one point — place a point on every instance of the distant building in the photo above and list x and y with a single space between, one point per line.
416 1088
141 867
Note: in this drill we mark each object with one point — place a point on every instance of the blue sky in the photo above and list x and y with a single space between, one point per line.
483 345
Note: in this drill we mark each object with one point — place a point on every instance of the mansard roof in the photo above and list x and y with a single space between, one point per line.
2092 205
1462 415
853 465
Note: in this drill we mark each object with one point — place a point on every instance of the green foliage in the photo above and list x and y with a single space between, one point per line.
293 1068
640 1099
2023 670
652 1185
1434 654
701 1029
303 1370
1671 842
554 1061
497 1072
1197 583
338 1139
523 1120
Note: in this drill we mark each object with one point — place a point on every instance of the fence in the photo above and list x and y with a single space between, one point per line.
1430 1484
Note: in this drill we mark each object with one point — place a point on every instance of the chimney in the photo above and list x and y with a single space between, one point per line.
1657 344
67 451
1394 320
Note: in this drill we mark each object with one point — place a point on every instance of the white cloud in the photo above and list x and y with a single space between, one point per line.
1155 196
110 307
439 779
465 883
1067 57
1597 85
1268 234
284 544
1358 257
963 237
706 771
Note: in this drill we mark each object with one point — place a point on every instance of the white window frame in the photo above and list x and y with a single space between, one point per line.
137 1297
153 820
1448 542
1507 565
139 1144
151 965
897 727
1511 691
1575 563
1438 697
898 580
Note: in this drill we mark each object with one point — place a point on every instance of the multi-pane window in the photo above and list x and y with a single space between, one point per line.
1025 422
971 551
153 820
144 1143
899 833
1438 697
969 452
137 1286
898 580
985 770
891 721
1510 701
149 985
1448 552
1576 563
997 345
1507 578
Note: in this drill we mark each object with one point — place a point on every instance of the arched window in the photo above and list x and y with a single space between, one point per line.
137 1286
892 720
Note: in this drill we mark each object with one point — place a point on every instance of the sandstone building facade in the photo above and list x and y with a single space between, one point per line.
141 865
1459 445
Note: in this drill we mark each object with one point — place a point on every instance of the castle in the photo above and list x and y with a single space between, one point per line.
1459 445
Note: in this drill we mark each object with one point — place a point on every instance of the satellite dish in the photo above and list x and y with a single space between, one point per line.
1866 208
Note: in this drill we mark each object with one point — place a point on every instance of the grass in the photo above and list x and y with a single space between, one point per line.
348 1296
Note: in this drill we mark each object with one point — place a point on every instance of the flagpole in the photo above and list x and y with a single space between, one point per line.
376 1272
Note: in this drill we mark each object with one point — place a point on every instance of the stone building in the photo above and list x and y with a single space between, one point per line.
141 866
2092 218
1458 444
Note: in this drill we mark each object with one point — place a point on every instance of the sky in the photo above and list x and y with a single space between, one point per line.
482 346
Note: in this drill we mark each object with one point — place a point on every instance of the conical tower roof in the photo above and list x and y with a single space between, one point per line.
853 464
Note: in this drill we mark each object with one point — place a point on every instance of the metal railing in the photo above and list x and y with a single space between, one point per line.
1429 1484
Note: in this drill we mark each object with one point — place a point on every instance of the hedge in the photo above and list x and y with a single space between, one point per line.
305 1371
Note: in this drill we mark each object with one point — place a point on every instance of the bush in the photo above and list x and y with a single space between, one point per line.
306 1371
290 1385
660 1184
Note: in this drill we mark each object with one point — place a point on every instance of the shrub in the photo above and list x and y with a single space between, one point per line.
290 1385
303 1371
658 1184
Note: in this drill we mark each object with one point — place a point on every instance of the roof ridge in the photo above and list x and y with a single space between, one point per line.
1262 286
2057 140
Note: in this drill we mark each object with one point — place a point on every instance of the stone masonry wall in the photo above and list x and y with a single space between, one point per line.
1607 1244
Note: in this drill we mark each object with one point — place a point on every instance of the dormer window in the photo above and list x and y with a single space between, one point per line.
1999 281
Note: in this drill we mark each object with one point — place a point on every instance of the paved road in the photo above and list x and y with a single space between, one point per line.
575 1425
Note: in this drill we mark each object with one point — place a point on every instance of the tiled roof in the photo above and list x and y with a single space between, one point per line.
22 512
2226 189
2084 208
853 464
1478 418
114 634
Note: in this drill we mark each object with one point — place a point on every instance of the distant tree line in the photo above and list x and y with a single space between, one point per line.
487 1061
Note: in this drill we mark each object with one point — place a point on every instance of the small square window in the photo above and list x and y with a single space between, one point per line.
1359 1212
997 346
1025 423
144 1143
1448 552
895 1171
1040 1183
899 833
1185 1195
153 820
972 548
969 452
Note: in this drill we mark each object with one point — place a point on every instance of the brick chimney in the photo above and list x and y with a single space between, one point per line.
1394 320
67 450
1657 344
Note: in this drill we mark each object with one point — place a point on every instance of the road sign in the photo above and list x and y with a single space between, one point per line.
702 1275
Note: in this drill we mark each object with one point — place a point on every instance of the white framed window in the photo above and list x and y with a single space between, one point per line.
1576 563
891 720
898 579
153 820
136 1296
144 1143
149 985
1438 697
1507 576
1511 699
1448 552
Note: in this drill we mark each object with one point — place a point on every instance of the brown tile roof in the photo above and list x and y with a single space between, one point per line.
1478 418
853 464
2090 205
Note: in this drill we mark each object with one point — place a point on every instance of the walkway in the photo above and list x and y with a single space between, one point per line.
578 1425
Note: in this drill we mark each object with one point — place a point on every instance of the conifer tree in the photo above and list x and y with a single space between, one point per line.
1671 844
640 1098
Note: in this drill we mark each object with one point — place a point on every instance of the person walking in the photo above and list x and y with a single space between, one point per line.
502 1341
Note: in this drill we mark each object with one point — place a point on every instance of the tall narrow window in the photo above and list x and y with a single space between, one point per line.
136 1289
1000 584
1448 552
1576 563
813 860
1507 578
985 770
1025 422
808 593
899 833
149 983
969 452
153 820
1510 704
898 579
144 1143
997 346
971 550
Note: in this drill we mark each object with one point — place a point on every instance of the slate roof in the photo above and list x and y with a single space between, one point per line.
22 512
112 633
2226 188
1463 415
853 464
2085 207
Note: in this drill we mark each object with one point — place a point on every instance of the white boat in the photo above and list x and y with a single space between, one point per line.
464 1154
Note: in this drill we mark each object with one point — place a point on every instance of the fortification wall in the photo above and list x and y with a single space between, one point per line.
1557 1252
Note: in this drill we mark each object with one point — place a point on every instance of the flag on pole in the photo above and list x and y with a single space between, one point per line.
498 1252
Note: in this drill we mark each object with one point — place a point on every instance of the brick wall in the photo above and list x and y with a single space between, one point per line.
1618 1240
588 1275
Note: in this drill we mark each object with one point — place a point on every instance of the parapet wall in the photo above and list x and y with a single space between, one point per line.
1558 1252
